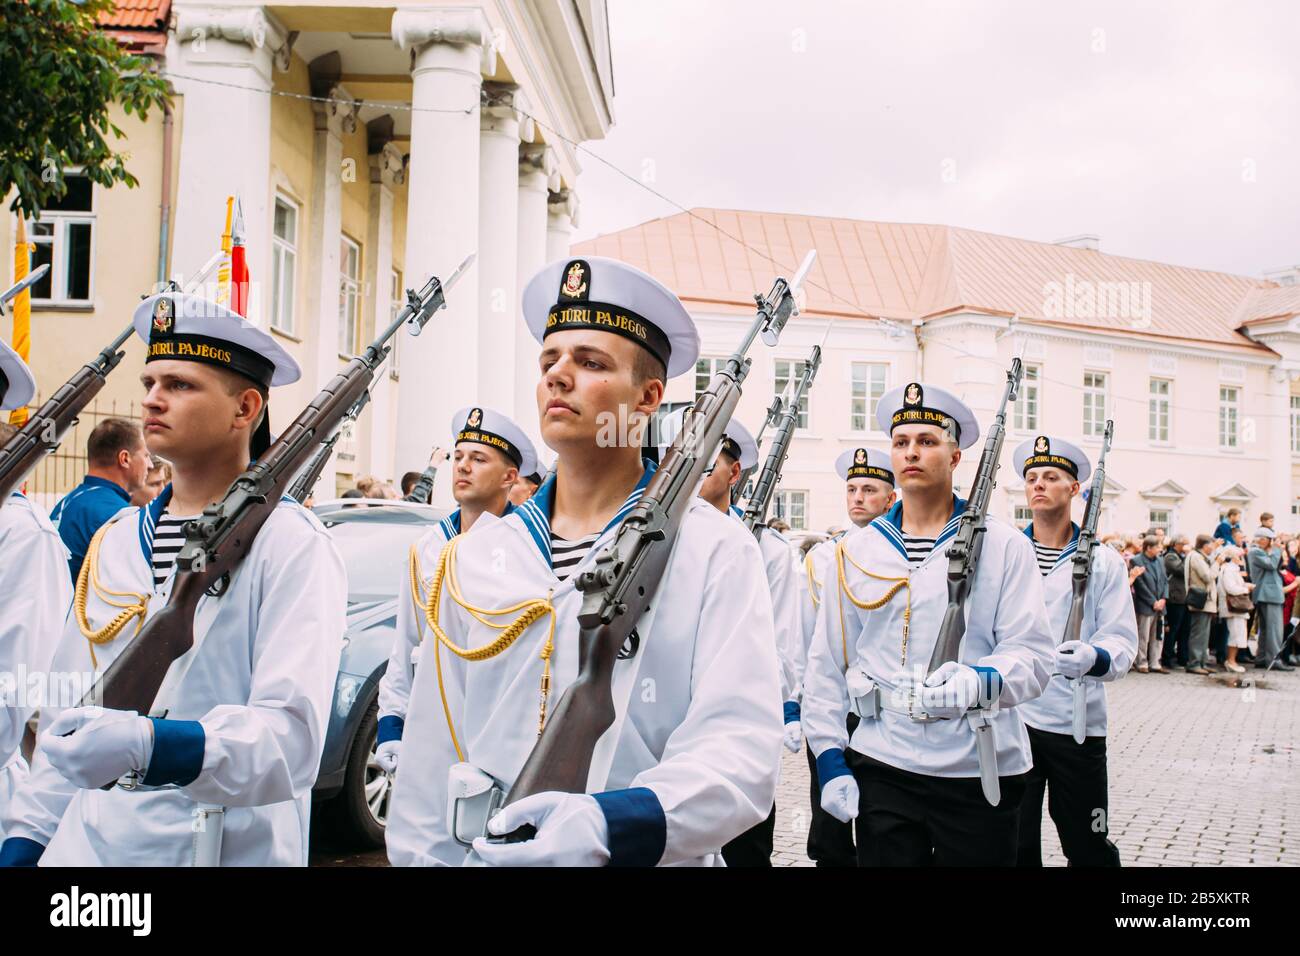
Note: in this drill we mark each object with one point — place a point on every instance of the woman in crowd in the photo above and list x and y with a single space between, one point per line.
1232 584
1202 576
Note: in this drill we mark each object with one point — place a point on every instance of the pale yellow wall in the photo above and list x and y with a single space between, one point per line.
125 267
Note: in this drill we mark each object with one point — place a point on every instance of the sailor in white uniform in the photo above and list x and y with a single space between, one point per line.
34 596
911 768
692 758
491 452
239 722
738 455
1073 774
868 494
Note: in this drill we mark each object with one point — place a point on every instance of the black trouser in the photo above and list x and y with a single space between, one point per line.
830 843
1219 639
1177 628
916 820
1074 776
754 846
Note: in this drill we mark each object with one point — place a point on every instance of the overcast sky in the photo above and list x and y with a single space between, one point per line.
1171 130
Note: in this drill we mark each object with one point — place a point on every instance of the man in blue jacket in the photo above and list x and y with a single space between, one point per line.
118 466
1230 523
1263 561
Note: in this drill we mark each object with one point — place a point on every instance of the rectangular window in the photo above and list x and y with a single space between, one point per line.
1229 413
395 304
705 369
868 380
786 371
1025 418
1023 515
1158 519
349 296
64 236
284 264
1295 424
791 507
1158 409
1094 404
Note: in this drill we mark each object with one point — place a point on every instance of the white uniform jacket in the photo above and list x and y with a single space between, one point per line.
1006 630
692 760
35 594
1109 625
395 685
783 586
245 721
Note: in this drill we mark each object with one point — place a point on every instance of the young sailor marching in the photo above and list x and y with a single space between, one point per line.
739 453
240 720
491 452
1074 774
911 768
34 595
691 758
868 493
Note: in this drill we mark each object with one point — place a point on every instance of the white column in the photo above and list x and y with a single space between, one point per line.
501 126
451 49
225 142
537 174
386 171
563 216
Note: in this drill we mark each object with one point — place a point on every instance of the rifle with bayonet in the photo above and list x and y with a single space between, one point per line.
301 488
743 488
755 516
626 576
218 540
1081 573
963 558
44 430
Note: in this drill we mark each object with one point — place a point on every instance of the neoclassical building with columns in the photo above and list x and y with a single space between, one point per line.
371 145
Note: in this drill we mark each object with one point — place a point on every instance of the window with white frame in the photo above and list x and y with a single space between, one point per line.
1022 516
786 371
1295 424
349 296
1229 415
1158 409
395 303
1094 404
64 236
868 384
1158 519
705 369
1025 414
792 508
284 263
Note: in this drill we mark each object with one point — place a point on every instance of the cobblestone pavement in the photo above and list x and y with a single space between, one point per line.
1201 774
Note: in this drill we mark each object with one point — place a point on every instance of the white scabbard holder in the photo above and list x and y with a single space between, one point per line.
472 798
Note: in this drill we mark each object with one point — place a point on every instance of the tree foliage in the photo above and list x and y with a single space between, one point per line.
61 74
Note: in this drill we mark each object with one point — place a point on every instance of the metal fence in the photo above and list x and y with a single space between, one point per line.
60 472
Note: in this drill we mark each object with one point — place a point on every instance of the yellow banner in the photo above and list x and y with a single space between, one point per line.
22 311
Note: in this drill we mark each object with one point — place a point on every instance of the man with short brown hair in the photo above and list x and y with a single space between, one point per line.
118 464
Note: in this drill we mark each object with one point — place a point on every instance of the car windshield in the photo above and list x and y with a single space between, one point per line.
375 554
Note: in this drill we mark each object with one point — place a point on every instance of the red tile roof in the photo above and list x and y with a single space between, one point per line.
908 271
138 23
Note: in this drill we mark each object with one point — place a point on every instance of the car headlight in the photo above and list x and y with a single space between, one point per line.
346 693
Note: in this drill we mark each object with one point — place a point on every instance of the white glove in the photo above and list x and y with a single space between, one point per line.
92 746
950 691
386 755
571 831
1075 658
793 736
840 798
